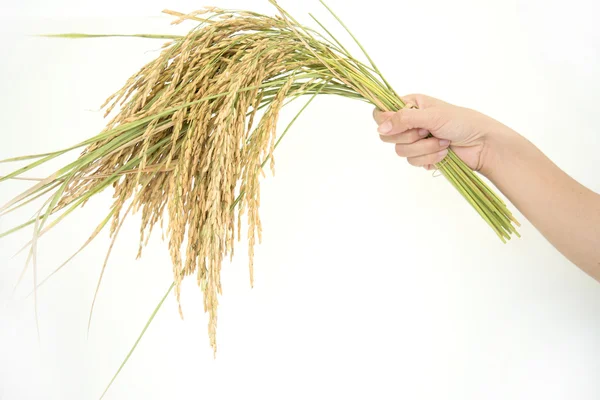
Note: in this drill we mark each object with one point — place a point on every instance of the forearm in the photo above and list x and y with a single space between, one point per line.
564 211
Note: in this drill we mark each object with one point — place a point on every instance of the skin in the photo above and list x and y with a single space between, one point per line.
564 211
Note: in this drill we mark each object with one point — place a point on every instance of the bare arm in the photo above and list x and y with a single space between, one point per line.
564 211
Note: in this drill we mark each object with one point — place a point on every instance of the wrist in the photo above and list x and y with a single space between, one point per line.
497 147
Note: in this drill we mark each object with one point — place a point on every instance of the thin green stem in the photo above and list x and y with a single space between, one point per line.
90 36
141 335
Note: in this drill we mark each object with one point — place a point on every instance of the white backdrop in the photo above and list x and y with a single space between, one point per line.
374 280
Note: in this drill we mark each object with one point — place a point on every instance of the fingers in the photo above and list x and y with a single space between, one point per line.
410 136
421 148
428 159
409 127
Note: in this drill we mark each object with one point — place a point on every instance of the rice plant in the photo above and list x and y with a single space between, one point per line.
191 133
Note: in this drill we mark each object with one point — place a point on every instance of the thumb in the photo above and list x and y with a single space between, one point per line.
381 116
411 118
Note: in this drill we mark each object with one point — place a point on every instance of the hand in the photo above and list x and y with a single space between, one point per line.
466 131
564 211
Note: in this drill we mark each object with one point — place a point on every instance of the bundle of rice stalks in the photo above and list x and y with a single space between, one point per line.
193 130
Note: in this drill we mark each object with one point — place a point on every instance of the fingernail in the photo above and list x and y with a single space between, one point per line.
442 154
444 143
385 127
423 132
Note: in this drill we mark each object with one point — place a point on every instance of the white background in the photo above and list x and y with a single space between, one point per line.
373 281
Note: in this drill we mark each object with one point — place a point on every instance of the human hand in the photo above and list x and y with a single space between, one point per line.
466 131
